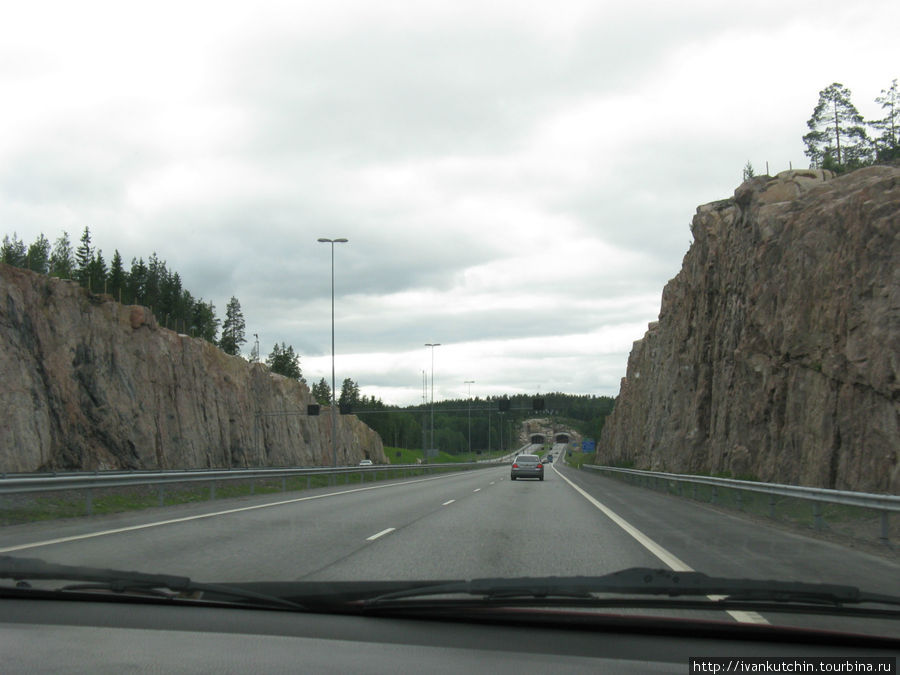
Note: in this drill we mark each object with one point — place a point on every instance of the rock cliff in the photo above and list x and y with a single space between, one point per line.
777 350
88 383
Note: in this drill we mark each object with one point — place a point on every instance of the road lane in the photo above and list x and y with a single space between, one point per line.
250 540
508 528
460 525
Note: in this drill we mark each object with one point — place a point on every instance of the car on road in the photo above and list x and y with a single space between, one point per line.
365 462
527 466
548 459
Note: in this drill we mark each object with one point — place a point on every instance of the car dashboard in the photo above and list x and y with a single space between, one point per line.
110 636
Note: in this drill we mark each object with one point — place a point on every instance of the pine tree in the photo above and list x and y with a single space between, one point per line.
62 263
38 257
84 256
837 136
349 394
96 274
888 145
321 391
117 277
748 171
204 323
285 362
137 280
233 328
13 251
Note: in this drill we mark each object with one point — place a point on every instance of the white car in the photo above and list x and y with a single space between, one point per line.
365 462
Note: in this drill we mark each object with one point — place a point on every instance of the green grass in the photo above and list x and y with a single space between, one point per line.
28 508
405 456
852 521
578 458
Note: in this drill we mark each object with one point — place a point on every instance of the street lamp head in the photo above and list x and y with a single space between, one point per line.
340 240
432 344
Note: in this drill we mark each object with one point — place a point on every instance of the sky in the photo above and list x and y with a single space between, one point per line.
516 179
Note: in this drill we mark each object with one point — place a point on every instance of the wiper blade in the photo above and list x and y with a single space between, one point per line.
121 581
644 581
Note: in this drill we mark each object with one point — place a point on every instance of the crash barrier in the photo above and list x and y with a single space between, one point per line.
883 504
12 484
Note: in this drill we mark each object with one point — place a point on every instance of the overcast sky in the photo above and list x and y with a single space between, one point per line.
516 179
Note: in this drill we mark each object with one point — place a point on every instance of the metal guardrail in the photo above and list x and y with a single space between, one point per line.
86 482
18 483
883 503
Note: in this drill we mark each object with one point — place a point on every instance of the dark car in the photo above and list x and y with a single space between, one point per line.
548 459
527 466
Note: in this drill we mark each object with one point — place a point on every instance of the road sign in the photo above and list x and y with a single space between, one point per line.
587 445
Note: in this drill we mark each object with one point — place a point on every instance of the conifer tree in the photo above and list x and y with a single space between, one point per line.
888 144
837 137
62 263
38 257
233 328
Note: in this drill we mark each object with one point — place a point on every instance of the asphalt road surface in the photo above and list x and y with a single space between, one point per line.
468 524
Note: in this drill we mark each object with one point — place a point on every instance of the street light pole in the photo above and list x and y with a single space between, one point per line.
470 383
333 418
432 345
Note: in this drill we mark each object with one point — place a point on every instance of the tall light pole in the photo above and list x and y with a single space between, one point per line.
333 418
470 383
432 345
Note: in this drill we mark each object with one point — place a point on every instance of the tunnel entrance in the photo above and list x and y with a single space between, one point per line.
562 438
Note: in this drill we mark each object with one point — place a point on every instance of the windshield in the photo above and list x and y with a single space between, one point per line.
286 292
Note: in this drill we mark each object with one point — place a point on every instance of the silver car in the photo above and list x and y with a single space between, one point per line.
527 466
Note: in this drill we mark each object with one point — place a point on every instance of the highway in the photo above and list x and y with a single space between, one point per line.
462 525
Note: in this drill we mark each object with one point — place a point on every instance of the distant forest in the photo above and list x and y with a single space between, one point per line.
495 421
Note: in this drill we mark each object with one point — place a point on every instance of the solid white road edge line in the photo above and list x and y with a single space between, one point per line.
172 521
447 503
665 556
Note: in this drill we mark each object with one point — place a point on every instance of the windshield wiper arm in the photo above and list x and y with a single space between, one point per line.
644 581
121 581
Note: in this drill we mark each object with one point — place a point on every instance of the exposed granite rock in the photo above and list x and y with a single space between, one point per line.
88 383
777 350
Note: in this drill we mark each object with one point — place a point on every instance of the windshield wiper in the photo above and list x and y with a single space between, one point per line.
642 581
24 570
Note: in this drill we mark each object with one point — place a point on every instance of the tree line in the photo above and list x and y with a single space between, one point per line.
149 283
490 428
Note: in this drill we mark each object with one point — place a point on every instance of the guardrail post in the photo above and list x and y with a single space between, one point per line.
161 491
715 494
308 481
252 487
817 515
740 500
89 502
212 491
884 528
284 483
694 490
772 507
